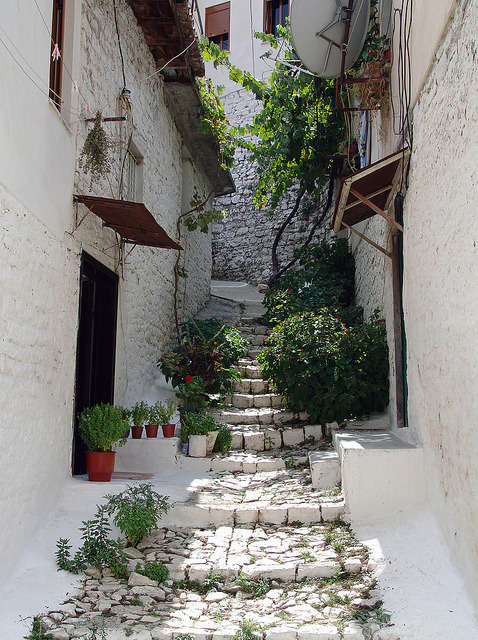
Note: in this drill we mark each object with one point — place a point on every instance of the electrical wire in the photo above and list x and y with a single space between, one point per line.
119 43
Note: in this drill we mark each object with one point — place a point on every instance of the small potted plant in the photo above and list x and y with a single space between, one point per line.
100 428
161 414
139 415
195 429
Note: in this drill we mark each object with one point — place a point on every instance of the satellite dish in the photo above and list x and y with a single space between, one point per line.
318 30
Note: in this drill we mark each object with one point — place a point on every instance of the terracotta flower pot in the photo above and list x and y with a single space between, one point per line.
137 432
151 430
168 430
100 465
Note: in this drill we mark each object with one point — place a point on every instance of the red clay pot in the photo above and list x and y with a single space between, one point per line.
100 465
137 432
168 430
151 430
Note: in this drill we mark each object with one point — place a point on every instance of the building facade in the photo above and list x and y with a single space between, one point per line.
85 314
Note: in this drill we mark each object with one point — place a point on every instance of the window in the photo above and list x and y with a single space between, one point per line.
132 176
57 31
217 25
275 13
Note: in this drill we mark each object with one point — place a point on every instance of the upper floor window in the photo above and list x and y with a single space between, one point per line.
131 186
275 13
217 25
56 64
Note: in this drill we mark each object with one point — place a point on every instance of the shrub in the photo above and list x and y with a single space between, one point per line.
136 511
192 394
330 371
224 439
325 279
139 413
153 571
161 413
97 550
207 350
103 425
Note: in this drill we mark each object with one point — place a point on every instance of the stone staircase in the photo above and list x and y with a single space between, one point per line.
259 540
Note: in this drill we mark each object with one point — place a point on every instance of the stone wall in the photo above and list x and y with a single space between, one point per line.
43 235
440 301
242 242
439 296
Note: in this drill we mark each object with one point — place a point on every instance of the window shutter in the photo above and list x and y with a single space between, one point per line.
217 20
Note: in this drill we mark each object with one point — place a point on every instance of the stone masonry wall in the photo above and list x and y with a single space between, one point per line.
441 272
242 242
439 296
40 267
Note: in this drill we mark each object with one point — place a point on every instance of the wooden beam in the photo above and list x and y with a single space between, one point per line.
370 195
374 244
374 207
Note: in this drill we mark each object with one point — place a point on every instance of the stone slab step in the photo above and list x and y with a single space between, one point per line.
259 400
264 416
381 474
379 422
249 369
324 469
183 514
269 437
252 386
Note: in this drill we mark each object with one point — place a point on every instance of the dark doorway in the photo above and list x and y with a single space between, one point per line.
96 345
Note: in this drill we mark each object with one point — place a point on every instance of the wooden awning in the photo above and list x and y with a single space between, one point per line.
131 220
369 192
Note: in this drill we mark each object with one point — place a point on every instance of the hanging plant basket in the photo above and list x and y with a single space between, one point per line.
374 91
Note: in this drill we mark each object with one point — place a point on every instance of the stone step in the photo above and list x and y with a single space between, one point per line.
264 416
324 469
379 422
204 515
249 369
259 400
253 352
270 437
251 385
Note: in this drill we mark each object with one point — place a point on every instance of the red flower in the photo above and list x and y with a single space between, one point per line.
188 378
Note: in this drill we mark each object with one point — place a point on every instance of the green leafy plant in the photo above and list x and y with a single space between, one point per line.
161 413
325 278
330 371
97 550
207 349
37 632
139 413
153 571
192 395
248 630
136 511
257 586
102 426
197 424
224 439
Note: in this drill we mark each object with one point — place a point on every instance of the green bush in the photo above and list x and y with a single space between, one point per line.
103 425
331 371
161 412
325 278
192 395
207 350
223 440
136 511
153 571
139 413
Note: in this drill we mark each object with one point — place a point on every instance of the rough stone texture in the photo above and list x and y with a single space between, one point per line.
43 235
439 296
242 242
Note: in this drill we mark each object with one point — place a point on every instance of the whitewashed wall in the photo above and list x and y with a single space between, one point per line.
41 245
440 270
440 288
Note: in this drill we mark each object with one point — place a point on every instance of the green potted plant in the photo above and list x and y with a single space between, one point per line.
160 414
195 430
100 428
139 415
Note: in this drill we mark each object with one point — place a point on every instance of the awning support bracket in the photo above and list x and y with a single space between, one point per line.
374 207
374 244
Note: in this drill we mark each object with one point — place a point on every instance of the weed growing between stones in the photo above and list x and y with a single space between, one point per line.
258 586
153 571
37 632
248 630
